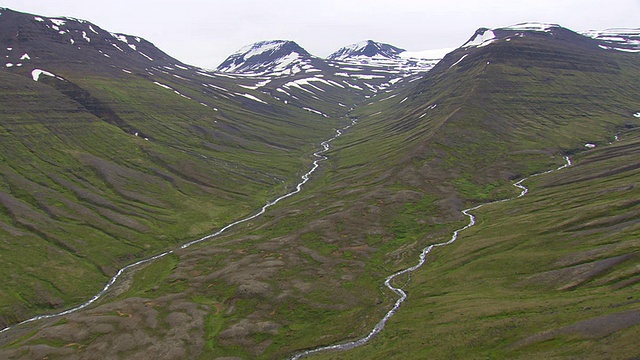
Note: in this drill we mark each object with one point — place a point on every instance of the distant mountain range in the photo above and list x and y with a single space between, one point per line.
275 58
286 57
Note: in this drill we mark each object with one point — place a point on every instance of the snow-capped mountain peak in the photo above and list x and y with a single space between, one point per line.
484 36
367 49
374 54
627 40
260 48
273 57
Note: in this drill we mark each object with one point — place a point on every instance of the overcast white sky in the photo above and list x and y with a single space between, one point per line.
205 32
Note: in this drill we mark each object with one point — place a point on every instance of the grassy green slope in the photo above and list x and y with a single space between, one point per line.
83 195
498 109
551 275
503 112
309 272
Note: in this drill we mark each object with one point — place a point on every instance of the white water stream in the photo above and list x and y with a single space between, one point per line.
305 178
423 255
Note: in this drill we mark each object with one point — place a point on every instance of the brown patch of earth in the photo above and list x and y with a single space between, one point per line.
573 276
595 328
125 329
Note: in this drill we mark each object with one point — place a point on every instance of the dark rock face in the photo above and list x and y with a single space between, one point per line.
46 40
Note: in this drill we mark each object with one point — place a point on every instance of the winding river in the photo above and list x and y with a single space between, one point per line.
402 295
316 163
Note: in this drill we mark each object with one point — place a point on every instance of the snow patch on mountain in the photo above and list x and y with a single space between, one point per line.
35 74
353 86
172 89
58 22
367 77
482 37
145 55
123 38
604 47
435 54
300 83
626 40
259 48
257 85
249 96
315 111
283 64
163 85
458 62
531 26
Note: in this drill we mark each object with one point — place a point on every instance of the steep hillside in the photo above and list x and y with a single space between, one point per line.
113 151
495 102
505 105
551 275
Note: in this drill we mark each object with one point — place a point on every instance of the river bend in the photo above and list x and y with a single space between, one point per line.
402 295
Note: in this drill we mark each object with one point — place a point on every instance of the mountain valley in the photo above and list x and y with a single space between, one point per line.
113 152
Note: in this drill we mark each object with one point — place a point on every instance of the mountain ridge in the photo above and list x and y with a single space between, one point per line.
373 53
368 48
64 35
